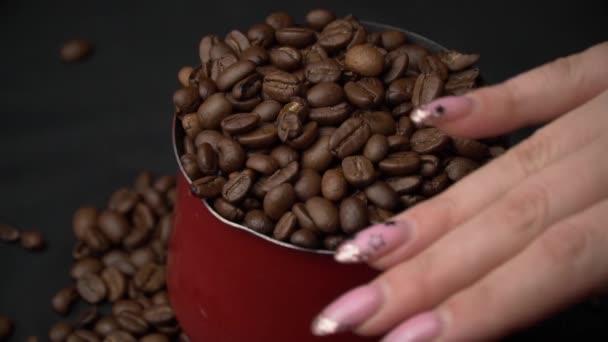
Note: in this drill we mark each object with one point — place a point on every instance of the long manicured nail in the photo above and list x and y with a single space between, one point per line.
373 242
422 328
348 311
444 108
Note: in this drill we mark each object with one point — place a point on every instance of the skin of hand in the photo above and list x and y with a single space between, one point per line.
514 241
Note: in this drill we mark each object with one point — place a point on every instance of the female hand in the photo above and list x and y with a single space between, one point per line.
516 240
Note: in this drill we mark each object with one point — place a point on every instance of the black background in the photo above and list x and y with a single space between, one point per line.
69 134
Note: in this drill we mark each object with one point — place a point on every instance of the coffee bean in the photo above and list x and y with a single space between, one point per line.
334 115
261 35
281 86
403 109
266 70
60 331
183 75
415 54
333 185
8 233
336 35
324 214
234 73
350 137
256 54
81 250
457 61
159 314
206 88
400 90
398 143
279 20
213 111
365 59
124 305
382 195
113 225
376 148
231 156
82 335
318 156
298 37
404 185
123 200
227 210
76 51
470 148
325 94
392 39
191 124
186 99
142 256
459 167
304 238
303 217
353 215
285 227
308 136
374 38
190 166
435 185
87 317
313 54
150 278
105 326
398 68
308 184
433 65
247 87
119 260
378 215
427 88
169 330
400 163
265 135
380 122
91 288
32 240
84 219
365 93
115 283
318 18
291 119
358 171
237 41
325 70
131 322
64 299
262 163
429 140
268 110
237 188
137 237
429 165
259 222
86 266
96 241
207 159
120 336
156 337
279 200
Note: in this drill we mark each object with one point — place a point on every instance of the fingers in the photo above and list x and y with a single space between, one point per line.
565 264
533 97
417 228
489 239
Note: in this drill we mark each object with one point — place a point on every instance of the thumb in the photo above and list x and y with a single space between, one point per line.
533 97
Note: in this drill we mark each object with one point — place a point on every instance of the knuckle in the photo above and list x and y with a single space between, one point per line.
534 153
526 208
567 244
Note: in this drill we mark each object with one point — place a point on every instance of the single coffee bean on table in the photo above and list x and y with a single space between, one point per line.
307 136
76 51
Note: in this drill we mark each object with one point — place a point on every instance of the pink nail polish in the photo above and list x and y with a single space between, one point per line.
444 108
374 242
348 311
422 328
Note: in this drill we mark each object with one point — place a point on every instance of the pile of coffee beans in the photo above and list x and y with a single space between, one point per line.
303 132
119 268
30 240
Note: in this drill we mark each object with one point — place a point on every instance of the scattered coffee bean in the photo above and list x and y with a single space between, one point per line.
60 332
8 233
32 240
76 51
64 299
91 288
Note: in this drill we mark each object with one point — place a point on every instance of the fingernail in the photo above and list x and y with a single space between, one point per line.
348 311
422 328
444 108
373 242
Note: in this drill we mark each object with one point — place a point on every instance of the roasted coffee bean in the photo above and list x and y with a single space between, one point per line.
227 210
398 143
308 136
131 322
206 88
350 137
336 35
315 53
405 127
187 99
76 51
382 195
298 37
365 59
82 335
285 227
237 41
32 240
353 215
161 297
392 39
189 147
86 266
403 109
304 238
332 242
376 148
8 233
91 288
397 69
169 330
183 75
435 185
120 336
281 86
247 87
325 94
231 156
234 73
334 115
190 166
142 256
123 200
105 326
318 18
465 78
261 35
470 148
333 185
155 201
268 110
243 105
265 135
429 140
259 222
143 216
159 314
279 20
496 151
84 219
430 165
95 240
358 171
207 159
303 217
213 111
60 331
237 187
156 337
457 61
119 260
400 90
279 200
81 250
378 215
150 278
326 70
64 299
324 214
138 237
87 316
459 167
113 225
222 58
368 92
284 155
124 305
380 122
374 38
427 88
404 185
433 65
240 123
262 163
115 283
318 156
415 54
256 54
210 137
266 70
191 124
308 184
400 164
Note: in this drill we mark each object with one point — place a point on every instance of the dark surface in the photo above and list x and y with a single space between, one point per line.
69 134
